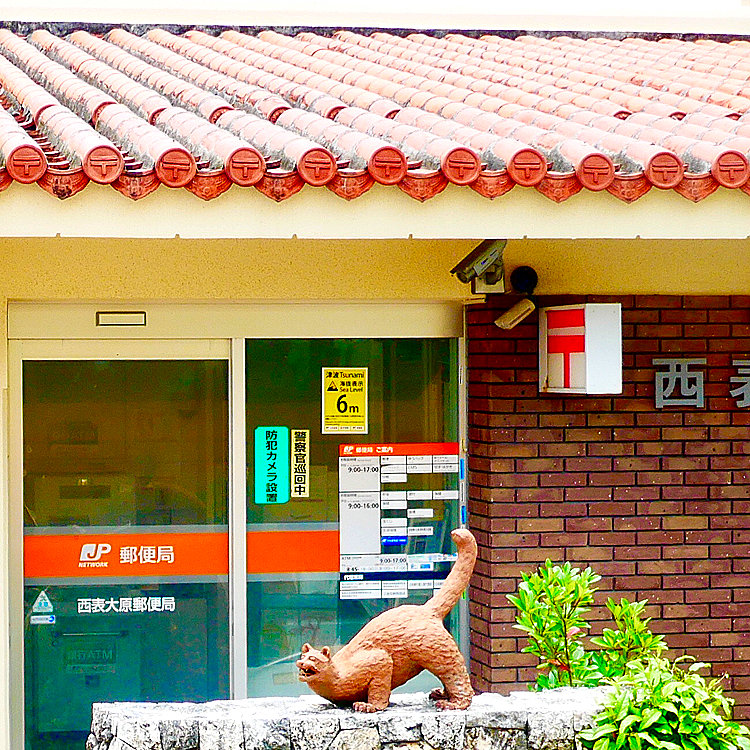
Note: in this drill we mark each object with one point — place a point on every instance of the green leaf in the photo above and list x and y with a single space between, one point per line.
650 716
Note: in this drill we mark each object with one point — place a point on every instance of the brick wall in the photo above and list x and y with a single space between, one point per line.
656 501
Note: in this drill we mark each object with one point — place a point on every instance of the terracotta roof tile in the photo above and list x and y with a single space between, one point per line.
278 112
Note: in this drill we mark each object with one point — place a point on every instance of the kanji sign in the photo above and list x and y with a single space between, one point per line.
344 407
681 380
680 384
272 465
300 463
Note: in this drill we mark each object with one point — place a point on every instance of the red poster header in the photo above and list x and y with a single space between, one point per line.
398 449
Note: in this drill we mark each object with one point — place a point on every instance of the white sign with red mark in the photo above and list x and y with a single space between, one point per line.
580 349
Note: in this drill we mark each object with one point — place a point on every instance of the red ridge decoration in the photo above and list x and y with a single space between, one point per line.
138 184
350 184
422 184
493 183
696 187
280 185
559 186
210 184
629 187
63 183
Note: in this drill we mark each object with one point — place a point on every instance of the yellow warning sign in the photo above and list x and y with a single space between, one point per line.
344 406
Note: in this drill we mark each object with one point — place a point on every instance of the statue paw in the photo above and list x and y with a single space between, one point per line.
438 694
445 705
364 707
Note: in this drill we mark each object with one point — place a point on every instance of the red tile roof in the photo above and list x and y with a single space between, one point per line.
279 112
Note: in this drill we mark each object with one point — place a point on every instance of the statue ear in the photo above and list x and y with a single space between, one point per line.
326 651
306 647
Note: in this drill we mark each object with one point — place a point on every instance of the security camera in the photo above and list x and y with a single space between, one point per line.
523 279
485 260
511 318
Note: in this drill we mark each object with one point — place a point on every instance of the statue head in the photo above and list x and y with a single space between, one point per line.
313 662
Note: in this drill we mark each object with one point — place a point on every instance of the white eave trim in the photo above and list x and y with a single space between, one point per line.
383 212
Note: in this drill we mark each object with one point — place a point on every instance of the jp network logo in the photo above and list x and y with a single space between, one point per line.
91 555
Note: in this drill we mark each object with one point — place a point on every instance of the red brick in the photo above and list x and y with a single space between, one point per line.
660 448
707 566
563 479
563 510
562 449
644 463
636 523
637 553
612 478
686 582
612 509
633 434
660 567
661 537
709 507
684 463
714 447
610 449
710 537
539 436
685 433
708 595
540 524
684 611
660 508
686 552
612 538
588 524
676 492
686 522
539 495
562 420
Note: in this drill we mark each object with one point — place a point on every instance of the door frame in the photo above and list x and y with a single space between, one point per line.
173 331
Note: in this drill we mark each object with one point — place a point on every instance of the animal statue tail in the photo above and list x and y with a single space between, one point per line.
458 579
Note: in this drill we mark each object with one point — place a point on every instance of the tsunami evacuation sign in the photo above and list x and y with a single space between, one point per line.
344 407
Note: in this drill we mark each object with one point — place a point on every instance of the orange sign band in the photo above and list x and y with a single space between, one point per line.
176 554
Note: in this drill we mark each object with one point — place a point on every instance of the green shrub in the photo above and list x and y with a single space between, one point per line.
657 704
631 641
551 605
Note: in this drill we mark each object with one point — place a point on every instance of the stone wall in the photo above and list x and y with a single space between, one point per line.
657 501
522 721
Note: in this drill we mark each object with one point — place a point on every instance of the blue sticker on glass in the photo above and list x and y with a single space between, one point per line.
272 470
393 541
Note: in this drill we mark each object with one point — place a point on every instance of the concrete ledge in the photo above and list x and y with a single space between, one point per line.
521 721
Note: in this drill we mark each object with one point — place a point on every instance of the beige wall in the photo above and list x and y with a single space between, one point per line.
177 269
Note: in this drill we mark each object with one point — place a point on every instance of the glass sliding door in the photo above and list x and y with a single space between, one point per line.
309 402
125 513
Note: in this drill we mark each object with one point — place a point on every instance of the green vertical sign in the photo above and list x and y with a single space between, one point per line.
272 468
